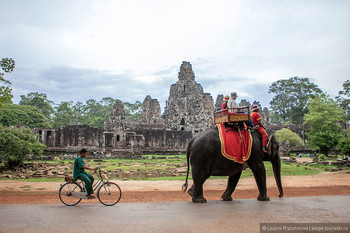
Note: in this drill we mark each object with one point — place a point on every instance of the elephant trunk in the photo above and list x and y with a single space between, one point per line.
276 165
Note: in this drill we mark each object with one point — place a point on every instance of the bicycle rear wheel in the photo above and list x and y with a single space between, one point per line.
109 193
65 193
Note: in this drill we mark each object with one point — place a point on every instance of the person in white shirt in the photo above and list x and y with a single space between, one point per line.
231 104
234 108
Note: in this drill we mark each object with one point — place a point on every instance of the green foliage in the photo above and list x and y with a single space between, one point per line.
92 113
7 65
133 110
284 135
16 143
323 120
322 158
292 97
78 113
344 98
95 113
12 114
275 117
5 95
63 115
344 143
40 101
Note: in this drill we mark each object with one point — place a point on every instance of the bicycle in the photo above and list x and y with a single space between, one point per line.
72 191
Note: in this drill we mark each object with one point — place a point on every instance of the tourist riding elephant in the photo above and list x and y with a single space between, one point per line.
204 154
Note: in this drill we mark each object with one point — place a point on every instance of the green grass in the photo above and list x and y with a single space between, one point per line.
164 163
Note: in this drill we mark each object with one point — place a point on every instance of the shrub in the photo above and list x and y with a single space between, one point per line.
344 143
16 143
284 135
12 114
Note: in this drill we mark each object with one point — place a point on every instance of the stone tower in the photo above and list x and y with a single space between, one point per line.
244 103
151 111
115 126
219 101
188 107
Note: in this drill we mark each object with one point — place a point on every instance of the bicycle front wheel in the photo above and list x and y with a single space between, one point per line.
109 193
65 193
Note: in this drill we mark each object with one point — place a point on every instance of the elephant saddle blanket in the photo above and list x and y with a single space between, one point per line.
236 145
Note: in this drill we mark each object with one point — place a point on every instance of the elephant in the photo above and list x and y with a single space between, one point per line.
204 155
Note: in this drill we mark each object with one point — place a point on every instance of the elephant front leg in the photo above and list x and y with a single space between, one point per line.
231 186
259 172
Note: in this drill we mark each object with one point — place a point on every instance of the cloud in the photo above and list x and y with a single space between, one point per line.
76 50
75 84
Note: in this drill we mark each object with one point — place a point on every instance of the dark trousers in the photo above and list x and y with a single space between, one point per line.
88 180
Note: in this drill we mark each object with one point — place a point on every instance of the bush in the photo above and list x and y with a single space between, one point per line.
12 114
344 143
284 135
16 143
322 158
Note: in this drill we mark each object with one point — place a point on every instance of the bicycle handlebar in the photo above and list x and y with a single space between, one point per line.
98 169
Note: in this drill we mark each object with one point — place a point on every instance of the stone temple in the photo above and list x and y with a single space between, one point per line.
187 112
188 107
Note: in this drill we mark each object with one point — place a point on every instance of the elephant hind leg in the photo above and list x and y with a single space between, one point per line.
198 181
190 191
231 186
263 198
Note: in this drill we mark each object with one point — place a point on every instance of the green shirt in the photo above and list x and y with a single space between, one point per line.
78 167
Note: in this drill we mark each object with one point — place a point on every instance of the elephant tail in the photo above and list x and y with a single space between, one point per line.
185 185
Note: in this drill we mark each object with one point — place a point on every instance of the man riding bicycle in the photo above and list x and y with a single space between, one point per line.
79 173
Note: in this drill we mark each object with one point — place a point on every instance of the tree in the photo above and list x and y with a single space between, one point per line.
40 101
323 120
63 115
133 110
92 113
7 65
344 143
30 116
284 135
92 110
16 143
78 113
344 98
292 97
275 118
96 112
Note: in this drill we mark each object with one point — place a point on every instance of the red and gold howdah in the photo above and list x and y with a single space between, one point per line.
241 115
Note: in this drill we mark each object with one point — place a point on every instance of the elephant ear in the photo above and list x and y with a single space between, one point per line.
273 148
268 145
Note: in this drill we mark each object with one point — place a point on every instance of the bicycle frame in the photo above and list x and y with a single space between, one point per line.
76 189
96 184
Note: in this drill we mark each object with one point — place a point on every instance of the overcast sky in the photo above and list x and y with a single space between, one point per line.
80 50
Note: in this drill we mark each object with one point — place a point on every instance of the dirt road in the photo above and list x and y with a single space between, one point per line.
164 191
